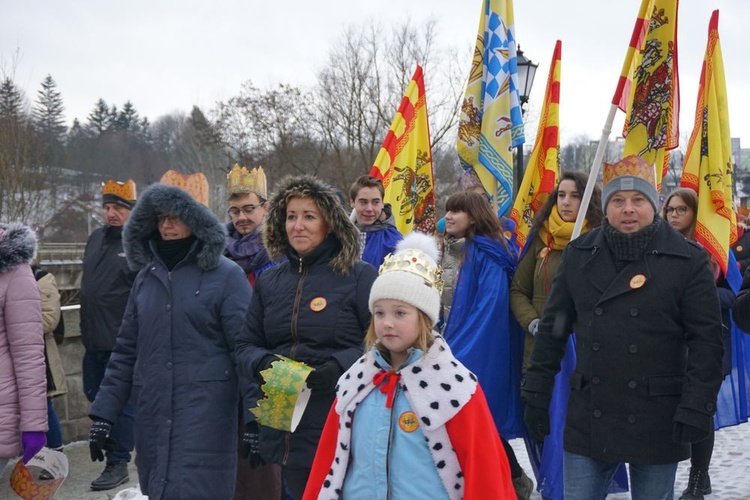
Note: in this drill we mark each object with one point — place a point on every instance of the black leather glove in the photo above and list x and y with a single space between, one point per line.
99 440
251 445
324 378
537 421
687 434
265 363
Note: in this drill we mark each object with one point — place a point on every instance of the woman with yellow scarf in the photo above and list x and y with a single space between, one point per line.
550 233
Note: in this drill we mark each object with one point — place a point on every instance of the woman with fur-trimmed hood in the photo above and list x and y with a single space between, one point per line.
175 350
23 382
312 308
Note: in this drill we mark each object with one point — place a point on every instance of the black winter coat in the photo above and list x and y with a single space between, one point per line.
282 321
648 352
105 287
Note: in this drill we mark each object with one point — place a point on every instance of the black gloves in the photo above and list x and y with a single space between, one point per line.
537 421
99 440
325 377
687 434
265 363
251 445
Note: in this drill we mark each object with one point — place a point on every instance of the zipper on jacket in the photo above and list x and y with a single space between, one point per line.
388 446
295 341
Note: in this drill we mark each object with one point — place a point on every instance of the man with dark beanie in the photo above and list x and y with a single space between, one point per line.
105 286
175 350
642 302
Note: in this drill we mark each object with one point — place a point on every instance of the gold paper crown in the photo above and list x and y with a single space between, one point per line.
414 261
632 165
196 185
240 180
125 190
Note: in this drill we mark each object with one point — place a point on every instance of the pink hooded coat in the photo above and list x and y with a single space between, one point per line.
23 384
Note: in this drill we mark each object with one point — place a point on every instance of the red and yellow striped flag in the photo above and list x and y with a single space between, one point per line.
649 86
543 168
404 162
708 163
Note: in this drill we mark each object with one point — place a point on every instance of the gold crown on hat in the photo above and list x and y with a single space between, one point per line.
240 180
125 190
414 261
632 165
196 185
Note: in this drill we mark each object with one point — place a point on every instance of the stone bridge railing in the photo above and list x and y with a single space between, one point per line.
65 261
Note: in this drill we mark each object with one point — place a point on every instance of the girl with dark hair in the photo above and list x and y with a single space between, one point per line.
477 268
681 211
550 232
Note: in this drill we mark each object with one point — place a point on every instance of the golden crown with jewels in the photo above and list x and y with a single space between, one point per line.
242 181
416 262
125 190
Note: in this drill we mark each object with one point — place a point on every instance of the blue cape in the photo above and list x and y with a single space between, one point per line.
379 244
482 333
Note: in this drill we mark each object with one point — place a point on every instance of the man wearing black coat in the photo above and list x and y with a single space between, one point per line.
105 287
643 305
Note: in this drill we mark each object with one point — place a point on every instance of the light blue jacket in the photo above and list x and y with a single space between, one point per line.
390 458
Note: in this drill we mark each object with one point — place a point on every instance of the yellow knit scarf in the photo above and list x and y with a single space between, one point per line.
556 233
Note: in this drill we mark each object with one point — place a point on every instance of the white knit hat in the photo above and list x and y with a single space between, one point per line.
410 274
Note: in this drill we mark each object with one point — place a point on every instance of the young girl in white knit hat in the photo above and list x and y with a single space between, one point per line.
409 421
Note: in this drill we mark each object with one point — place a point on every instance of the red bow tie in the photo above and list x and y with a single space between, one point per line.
389 388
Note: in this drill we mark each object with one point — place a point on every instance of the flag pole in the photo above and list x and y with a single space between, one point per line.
495 188
594 174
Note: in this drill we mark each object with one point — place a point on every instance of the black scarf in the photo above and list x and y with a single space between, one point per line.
627 247
173 251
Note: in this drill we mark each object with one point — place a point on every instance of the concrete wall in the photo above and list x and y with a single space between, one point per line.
72 408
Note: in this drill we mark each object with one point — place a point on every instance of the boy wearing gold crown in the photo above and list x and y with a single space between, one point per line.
642 302
105 286
247 209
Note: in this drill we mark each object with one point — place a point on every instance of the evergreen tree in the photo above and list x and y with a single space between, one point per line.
11 101
47 114
49 123
99 120
128 119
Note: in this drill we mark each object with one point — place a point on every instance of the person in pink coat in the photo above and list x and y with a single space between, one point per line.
23 382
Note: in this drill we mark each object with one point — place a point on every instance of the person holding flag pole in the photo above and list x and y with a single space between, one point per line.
544 223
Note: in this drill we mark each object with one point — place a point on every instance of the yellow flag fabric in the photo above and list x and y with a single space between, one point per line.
651 126
404 162
708 166
624 84
491 122
543 168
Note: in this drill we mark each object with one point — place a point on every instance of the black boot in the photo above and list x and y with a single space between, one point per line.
699 484
114 475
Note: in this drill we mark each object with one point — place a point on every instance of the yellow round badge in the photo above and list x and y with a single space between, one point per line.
739 248
637 281
408 421
318 304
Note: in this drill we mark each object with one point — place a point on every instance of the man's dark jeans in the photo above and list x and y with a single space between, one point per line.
94 366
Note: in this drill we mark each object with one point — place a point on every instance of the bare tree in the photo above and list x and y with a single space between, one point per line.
273 128
360 88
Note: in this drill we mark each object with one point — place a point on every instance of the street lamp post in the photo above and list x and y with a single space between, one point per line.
526 73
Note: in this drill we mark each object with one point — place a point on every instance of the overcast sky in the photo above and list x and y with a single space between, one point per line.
169 55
